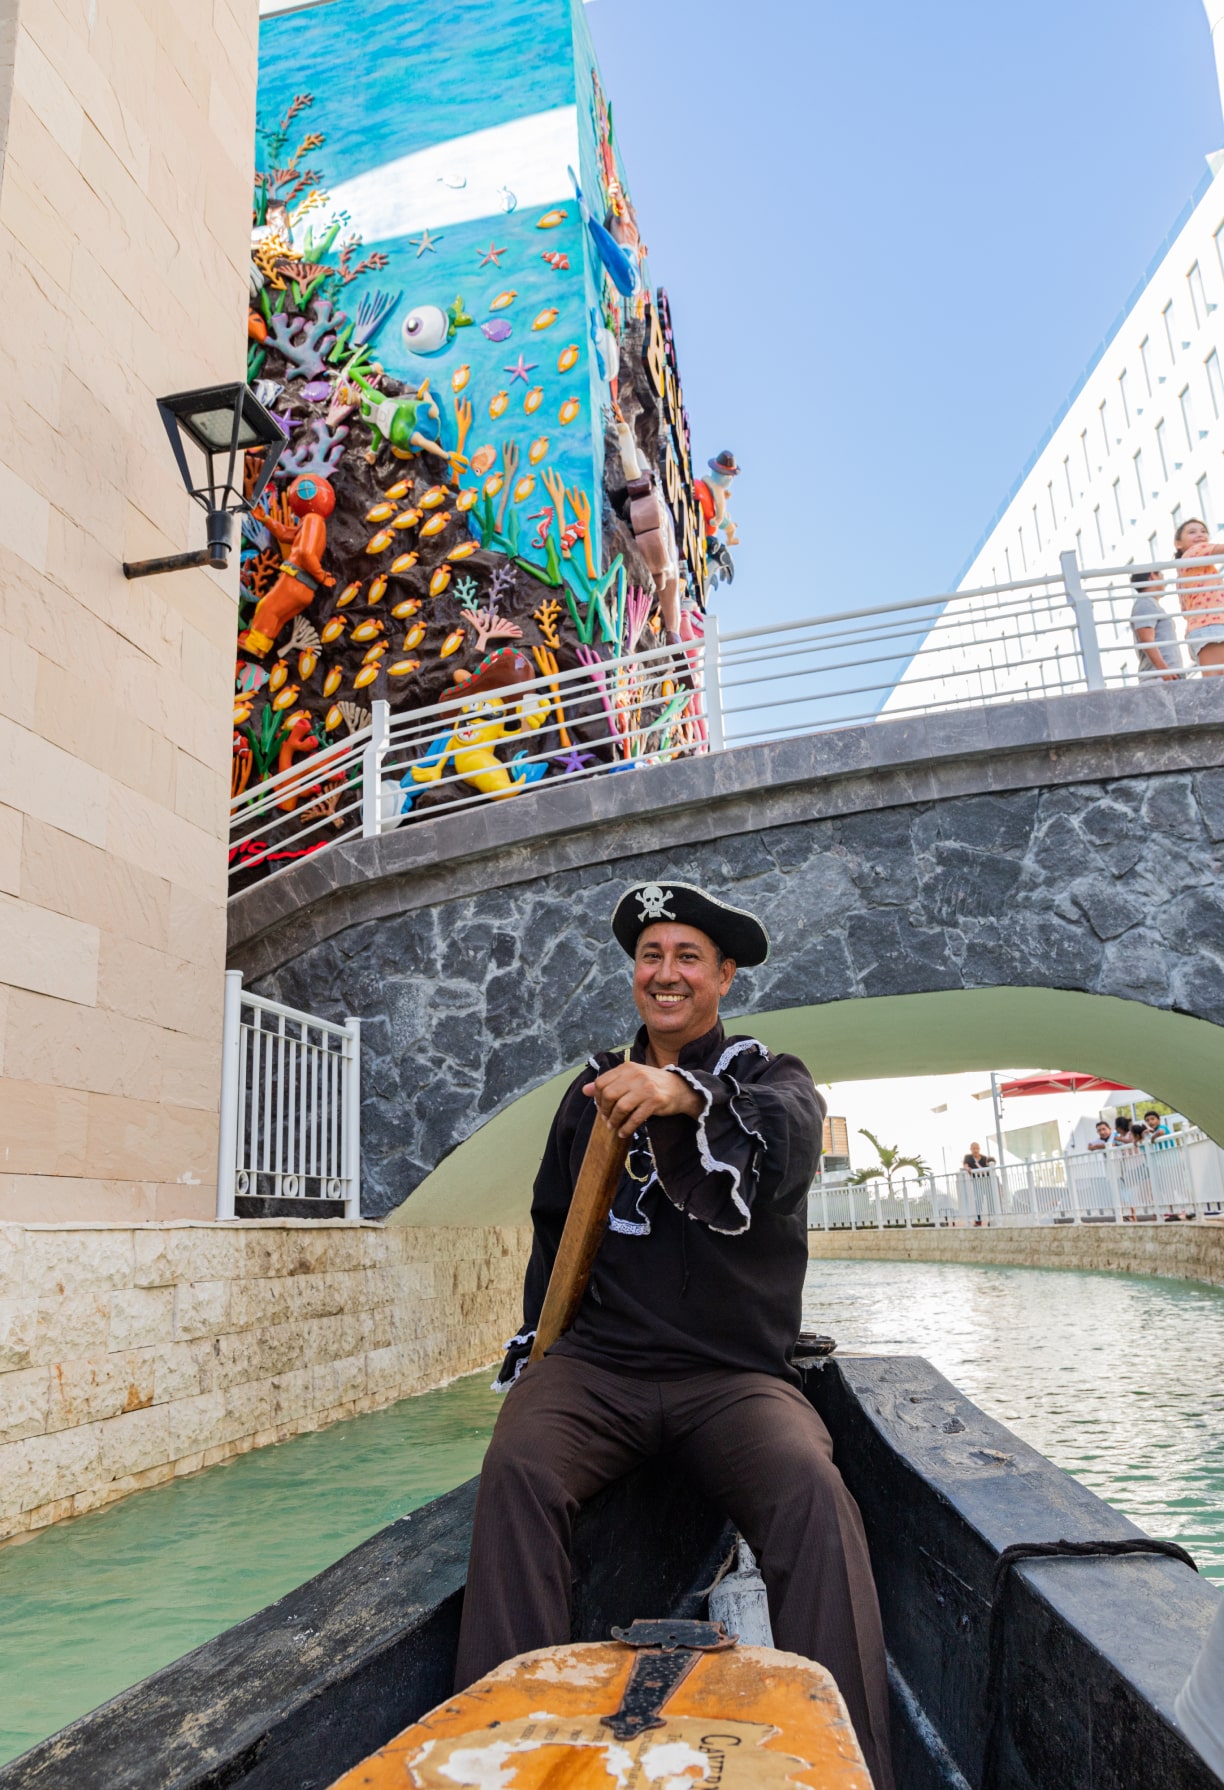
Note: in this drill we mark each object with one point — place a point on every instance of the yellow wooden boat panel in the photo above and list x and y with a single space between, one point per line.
751 1716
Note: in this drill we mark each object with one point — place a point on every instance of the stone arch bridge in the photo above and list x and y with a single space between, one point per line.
1027 882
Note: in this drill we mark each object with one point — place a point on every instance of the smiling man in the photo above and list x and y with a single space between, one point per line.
682 1344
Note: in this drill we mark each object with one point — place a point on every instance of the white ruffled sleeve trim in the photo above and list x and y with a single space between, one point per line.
709 1161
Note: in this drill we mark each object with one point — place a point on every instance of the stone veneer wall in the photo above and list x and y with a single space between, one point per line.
133 1354
126 151
1177 1251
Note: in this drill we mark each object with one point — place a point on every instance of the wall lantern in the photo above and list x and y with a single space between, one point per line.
223 421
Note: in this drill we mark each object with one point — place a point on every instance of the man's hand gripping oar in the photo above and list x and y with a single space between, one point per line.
626 1097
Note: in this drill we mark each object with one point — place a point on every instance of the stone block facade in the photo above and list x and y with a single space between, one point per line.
1192 1251
130 1355
126 134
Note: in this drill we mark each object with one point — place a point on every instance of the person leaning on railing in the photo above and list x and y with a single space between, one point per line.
1202 595
1152 626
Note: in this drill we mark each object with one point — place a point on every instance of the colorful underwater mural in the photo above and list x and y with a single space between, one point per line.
452 318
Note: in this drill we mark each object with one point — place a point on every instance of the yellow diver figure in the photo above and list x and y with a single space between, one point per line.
486 718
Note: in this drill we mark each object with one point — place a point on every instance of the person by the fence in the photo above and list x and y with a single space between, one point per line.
1202 595
1155 632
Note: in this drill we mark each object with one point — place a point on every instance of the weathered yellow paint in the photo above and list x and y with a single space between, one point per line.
747 1717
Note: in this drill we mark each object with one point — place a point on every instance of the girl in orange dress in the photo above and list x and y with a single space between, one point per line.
1202 595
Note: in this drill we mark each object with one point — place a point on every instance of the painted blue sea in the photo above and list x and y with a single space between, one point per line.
394 76
391 81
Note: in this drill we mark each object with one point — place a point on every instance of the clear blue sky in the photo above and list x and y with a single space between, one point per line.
893 235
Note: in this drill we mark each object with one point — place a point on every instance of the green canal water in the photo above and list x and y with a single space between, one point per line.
1118 1380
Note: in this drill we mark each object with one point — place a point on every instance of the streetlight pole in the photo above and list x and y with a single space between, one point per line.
997 1103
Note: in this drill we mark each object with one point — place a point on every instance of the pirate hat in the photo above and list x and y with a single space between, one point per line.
737 933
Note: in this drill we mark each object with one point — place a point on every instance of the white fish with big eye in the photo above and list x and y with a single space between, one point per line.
506 199
425 329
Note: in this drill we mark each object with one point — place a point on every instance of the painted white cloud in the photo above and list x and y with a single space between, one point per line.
480 175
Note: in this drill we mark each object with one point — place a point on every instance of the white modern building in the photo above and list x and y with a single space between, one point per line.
1140 445
1137 448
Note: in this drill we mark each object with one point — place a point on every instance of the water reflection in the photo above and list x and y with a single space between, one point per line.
1115 1378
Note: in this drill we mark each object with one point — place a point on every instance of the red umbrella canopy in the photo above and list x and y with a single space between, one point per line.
1060 1081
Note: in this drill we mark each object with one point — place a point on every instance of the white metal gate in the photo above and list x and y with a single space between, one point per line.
290 1104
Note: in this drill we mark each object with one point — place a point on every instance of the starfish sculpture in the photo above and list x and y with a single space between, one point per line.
521 370
573 761
424 241
492 254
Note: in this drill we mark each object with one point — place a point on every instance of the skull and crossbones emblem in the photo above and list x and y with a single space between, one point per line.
651 900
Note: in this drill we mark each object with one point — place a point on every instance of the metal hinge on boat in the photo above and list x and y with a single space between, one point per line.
666 1654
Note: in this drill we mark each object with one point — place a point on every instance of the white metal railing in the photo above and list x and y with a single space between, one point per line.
1038 637
290 1104
1179 1177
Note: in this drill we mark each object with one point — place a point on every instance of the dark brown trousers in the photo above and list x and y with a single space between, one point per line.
750 1443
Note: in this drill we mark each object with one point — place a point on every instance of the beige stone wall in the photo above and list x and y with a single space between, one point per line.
132 1354
1178 1251
124 215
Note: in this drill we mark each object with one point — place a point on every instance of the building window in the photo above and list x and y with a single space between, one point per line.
1145 349
1087 461
1153 549
1177 517
1204 500
1215 382
1053 511
1023 554
1103 413
1011 576
1139 478
1198 298
1117 491
1096 517
1079 548
1067 475
1162 446
1167 315
1126 415
1037 528
1187 415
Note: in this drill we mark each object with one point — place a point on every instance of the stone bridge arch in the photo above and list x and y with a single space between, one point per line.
978 861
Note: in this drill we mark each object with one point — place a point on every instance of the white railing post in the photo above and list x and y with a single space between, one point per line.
824 1205
712 687
1085 622
1111 1163
227 1145
371 770
352 1118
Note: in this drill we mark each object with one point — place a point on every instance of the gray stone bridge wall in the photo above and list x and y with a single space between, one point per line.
1072 843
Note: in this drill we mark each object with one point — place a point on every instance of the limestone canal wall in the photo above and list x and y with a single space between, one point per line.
1175 1251
133 1354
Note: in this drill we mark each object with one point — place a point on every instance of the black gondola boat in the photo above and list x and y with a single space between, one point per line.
1058 1675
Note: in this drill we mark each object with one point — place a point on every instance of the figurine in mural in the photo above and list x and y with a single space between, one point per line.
301 573
712 494
411 423
620 264
486 718
652 525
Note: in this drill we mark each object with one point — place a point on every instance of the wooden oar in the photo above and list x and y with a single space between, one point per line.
585 1223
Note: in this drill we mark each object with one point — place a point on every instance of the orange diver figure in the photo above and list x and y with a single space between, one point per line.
312 500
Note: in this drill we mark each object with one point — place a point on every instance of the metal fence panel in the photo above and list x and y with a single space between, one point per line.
290 1104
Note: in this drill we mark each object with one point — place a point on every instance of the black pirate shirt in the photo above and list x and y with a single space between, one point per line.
703 1261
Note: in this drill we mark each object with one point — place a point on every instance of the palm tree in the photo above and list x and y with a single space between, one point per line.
891 1163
